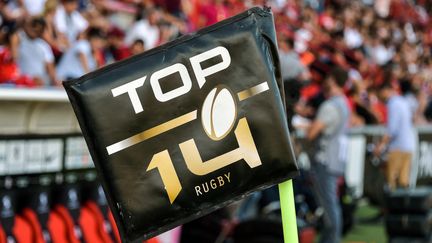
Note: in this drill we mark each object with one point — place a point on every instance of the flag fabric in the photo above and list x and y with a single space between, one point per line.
188 127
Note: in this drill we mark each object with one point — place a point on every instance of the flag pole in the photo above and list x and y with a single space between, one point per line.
289 219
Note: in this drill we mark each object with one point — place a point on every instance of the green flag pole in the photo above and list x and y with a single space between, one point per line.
289 220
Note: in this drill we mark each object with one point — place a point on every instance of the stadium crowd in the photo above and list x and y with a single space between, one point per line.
43 42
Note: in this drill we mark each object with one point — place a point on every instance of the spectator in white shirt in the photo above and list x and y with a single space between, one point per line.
80 58
380 53
34 56
352 37
68 21
34 7
145 29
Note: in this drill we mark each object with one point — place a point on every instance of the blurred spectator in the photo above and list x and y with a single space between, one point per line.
55 39
116 49
382 7
172 6
362 114
33 54
399 137
379 52
145 28
82 57
11 14
329 130
293 74
408 93
10 75
33 7
68 21
137 47
292 68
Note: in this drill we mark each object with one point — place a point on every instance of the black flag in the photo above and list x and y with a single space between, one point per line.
187 127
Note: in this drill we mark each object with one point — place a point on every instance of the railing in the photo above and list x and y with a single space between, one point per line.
36 111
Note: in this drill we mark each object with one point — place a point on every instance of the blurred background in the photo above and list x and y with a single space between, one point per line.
48 184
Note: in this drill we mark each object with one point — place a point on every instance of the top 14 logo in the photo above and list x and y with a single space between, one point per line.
218 117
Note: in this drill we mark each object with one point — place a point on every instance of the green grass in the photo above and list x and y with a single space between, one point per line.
366 232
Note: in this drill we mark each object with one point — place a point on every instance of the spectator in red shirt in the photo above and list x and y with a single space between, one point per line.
116 49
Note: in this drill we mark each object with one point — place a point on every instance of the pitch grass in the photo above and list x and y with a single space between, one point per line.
366 232
362 232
